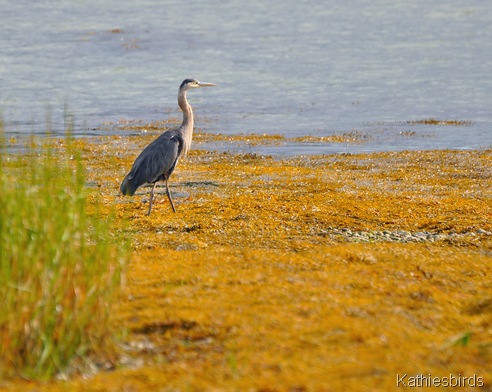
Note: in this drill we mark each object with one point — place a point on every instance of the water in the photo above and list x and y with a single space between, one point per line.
286 67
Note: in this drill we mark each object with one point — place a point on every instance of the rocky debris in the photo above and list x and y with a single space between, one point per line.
402 236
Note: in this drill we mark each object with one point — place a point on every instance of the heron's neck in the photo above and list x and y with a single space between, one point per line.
187 124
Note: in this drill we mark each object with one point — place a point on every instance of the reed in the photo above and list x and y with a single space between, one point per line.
60 267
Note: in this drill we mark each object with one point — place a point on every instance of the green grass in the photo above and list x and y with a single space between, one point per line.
60 267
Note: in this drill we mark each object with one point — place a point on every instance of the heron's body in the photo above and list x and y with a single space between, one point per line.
159 159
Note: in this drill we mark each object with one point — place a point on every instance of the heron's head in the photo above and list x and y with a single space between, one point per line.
193 83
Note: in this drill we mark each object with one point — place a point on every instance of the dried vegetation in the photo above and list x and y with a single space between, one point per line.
242 288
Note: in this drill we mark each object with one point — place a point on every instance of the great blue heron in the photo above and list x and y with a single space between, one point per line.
158 160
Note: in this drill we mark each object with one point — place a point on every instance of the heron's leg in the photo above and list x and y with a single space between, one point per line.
151 198
169 196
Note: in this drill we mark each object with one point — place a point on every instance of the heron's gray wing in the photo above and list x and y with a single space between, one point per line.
155 162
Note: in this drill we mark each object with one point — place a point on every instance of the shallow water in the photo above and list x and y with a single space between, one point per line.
293 68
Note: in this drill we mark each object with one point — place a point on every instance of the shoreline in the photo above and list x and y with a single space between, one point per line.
356 141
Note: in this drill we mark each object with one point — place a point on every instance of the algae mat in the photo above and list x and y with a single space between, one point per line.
320 273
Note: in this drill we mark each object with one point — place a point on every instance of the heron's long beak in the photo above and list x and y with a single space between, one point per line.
202 84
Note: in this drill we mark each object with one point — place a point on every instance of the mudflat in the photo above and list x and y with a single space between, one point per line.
306 273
